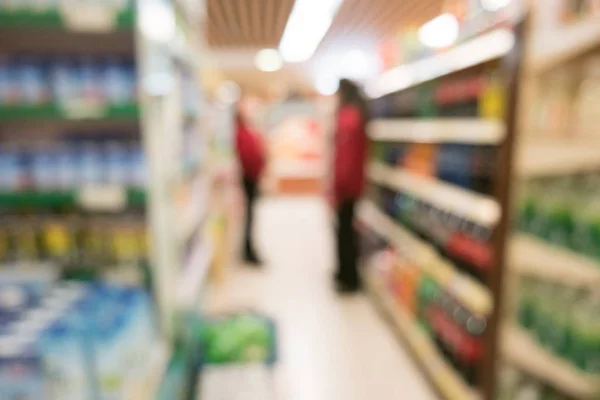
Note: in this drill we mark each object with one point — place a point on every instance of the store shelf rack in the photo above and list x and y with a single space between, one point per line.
534 257
448 382
54 112
469 292
526 354
442 130
89 17
462 202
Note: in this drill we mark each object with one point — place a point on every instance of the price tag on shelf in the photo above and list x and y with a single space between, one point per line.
102 198
89 16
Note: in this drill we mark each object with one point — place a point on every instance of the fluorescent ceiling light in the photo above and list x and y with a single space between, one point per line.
356 64
494 5
268 60
157 21
442 31
308 23
327 85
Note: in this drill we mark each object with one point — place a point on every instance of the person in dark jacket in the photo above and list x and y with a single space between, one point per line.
349 179
251 156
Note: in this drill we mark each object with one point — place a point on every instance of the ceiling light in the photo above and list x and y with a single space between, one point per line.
308 23
327 85
157 21
494 5
358 65
442 31
268 60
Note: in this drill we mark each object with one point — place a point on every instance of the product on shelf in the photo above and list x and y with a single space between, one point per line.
72 340
66 81
562 319
478 95
73 241
465 243
468 166
456 331
563 210
46 5
72 164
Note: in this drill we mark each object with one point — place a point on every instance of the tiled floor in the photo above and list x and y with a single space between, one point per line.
331 348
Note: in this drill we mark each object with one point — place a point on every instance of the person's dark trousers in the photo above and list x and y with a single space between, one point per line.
251 192
347 246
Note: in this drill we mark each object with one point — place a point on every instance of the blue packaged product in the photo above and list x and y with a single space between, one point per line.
8 82
131 82
64 80
68 372
117 167
12 167
91 84
44 167
116 84
31 81
66 166
21 371
91 164
138 171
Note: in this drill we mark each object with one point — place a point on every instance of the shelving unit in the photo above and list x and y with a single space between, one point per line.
525 353
439 187
442 374
470 292
164 115
464 203
555 144
531 256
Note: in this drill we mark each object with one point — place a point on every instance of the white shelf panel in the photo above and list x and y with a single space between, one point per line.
524 353
466 290
191 279
546 156
464 203
486 47
551 48
535 257
446 379
451 130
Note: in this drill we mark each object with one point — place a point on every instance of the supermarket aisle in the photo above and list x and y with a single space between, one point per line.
330 347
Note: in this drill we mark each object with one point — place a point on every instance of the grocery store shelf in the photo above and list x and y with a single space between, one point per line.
464 203
449 130
103 197
448 382
535 257
469 292
147 387
90 18
524 353
551 48
53 112
486 47
547 157
194 273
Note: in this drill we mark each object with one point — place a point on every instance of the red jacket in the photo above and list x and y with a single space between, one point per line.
350 154
250 151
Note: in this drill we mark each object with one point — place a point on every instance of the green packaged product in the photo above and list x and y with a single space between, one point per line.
585 342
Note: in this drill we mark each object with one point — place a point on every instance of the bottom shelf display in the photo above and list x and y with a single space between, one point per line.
74 340
446 379
522 351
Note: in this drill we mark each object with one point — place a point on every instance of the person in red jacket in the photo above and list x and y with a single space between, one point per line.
349 178
251 156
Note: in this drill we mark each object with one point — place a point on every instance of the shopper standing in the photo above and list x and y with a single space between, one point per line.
251 156
349 177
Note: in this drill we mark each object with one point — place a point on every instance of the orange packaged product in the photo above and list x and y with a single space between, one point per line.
421 158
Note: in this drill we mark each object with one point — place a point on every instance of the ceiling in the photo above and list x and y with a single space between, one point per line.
241 27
